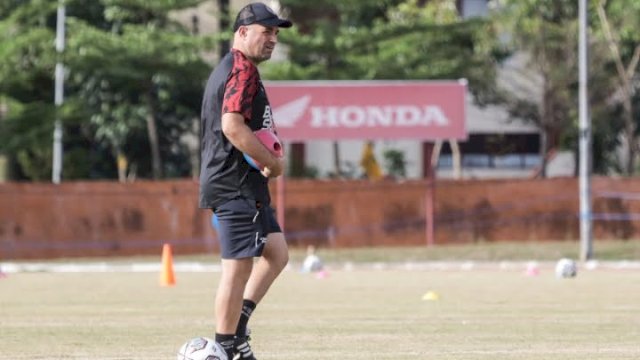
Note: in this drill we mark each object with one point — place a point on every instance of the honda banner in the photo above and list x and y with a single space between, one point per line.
304 110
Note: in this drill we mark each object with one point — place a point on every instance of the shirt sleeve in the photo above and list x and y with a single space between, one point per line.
241 87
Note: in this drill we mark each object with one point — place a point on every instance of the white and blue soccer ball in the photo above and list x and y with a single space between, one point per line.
566 268
201 348
312 263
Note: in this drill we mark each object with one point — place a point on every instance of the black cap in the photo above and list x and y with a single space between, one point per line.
259 13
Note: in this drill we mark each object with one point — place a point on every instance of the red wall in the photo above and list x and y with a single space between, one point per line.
109 218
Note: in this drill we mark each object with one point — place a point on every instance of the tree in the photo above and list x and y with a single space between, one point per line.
543 33
543 88
26 87
131 70
387 39
138 72
619 22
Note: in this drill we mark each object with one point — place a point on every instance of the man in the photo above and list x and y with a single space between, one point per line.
235 105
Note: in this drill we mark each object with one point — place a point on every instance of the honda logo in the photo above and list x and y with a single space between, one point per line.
351 110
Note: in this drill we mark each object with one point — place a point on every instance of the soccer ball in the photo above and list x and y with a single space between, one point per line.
312 263
201 348
566 268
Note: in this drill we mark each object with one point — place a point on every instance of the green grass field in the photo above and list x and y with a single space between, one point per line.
361 314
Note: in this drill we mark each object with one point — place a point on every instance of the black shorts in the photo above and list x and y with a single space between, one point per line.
243 227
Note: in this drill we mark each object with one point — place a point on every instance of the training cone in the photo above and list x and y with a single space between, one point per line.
431 296
167 277
532 269
322 274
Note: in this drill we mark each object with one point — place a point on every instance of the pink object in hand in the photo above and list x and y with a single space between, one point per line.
269 139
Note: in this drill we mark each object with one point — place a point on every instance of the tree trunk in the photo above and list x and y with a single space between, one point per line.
223 23
152 131
625 76
336 159
543 153
630 130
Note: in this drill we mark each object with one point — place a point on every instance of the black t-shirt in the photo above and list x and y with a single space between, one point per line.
234 86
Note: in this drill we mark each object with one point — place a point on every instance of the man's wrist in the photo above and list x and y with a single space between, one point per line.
273 162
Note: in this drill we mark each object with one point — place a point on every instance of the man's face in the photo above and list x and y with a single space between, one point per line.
259 41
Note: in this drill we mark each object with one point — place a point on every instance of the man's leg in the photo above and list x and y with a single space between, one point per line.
273 260
235 274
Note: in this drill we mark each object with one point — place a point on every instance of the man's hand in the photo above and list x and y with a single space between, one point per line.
274 169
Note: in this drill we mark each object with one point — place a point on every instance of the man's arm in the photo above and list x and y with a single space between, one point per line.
241 136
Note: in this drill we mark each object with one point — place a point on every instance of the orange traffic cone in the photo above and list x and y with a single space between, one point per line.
167 277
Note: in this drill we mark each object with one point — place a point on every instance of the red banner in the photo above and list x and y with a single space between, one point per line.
305 110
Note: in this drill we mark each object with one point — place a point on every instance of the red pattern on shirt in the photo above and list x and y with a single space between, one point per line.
241 87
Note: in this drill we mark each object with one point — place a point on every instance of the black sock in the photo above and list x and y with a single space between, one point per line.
247 309
227 342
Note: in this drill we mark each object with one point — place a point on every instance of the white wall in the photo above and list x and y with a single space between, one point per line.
319 154
471 8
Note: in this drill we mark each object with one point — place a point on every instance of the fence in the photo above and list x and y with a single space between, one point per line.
109 218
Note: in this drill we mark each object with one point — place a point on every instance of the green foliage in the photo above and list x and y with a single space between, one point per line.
395 163
138 72
28 60
547 30
143 11
115 76
34 122
616 29
127 63
624 16
366 40
544 35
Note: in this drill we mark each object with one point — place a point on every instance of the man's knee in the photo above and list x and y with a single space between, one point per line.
237 270
283 260
277 252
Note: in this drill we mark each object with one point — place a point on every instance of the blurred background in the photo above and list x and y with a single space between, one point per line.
99 123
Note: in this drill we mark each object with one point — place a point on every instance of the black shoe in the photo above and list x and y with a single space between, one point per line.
242 350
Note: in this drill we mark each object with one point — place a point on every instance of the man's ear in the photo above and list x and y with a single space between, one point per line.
242 30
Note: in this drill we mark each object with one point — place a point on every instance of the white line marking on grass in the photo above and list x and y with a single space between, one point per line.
196 267
104 267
